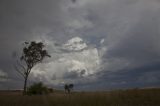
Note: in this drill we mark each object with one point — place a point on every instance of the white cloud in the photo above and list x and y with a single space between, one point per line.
75 43
79 59
102 41
3 75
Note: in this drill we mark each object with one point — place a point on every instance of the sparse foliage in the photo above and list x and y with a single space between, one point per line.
33 53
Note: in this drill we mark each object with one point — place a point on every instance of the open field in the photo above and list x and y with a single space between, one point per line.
134 97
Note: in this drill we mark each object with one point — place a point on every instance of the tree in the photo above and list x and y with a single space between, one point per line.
68 87
32 54
71 86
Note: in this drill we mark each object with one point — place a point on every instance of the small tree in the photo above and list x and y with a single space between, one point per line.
71 86
68 87
33 53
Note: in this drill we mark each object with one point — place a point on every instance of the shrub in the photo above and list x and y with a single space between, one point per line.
50 90
37 89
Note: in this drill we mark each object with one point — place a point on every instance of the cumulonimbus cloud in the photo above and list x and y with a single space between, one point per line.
75 59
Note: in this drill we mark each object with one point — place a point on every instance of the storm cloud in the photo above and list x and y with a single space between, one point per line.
95 44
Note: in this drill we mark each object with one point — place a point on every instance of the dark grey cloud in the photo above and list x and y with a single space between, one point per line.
129 54
22 20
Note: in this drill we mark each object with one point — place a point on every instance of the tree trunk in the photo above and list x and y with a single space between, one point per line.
25 85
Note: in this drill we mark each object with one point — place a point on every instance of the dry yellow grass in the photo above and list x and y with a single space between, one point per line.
136 97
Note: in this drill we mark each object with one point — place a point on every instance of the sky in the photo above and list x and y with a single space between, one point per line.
94 44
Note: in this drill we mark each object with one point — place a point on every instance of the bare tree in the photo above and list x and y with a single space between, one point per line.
33 53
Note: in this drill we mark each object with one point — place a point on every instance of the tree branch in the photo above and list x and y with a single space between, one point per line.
19 71
21 65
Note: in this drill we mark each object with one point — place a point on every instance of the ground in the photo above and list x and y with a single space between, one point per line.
134 97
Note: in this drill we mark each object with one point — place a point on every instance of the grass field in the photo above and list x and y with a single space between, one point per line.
134 97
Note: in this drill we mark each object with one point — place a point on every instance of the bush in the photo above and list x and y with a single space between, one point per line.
50 90
37 89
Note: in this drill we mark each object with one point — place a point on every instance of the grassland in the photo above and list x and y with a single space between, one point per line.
134 97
